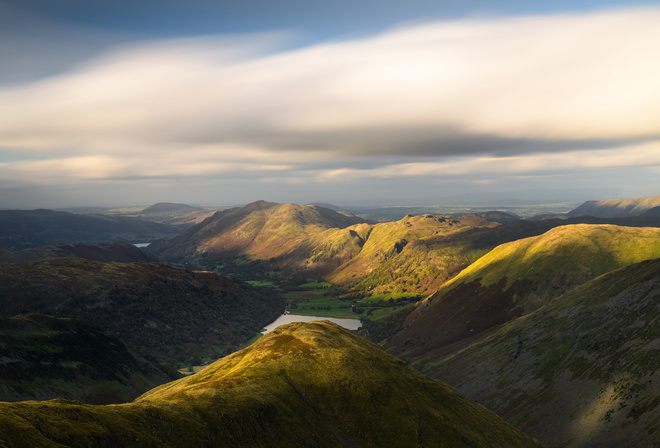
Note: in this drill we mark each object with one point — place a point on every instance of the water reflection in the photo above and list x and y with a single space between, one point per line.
350 324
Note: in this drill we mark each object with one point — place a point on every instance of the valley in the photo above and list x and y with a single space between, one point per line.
550 322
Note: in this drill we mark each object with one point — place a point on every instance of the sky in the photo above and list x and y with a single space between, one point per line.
117 103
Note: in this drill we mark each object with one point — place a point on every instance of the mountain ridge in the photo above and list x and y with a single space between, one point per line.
584 365
519 277
616 208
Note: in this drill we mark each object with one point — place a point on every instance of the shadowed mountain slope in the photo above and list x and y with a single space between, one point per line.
314 385
170 313
118 251
616 208
45 357
20 229
581 371
517 278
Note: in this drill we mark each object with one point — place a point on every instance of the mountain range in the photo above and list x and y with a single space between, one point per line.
548 322
413 256
20 229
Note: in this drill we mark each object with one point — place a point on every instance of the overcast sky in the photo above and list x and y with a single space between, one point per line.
349 102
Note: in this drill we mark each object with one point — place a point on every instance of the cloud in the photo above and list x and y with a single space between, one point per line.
642 155
506 96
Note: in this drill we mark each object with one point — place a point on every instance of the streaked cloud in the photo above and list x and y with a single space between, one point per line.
643 155
501 96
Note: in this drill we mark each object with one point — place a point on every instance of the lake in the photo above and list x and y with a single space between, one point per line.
350 324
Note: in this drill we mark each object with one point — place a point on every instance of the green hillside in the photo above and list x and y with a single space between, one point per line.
45 357
517 278
313 385
412 255
582 371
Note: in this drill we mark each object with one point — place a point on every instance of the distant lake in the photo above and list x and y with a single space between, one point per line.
350 324
141 244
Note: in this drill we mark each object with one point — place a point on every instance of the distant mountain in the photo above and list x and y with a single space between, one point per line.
616 208
498 216
118 251
171 208
582 371
180 215
170 313
20 229
45 357
515 279
314 385
260 230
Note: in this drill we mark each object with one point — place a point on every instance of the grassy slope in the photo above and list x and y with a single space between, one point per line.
301 385
581 371
408 256
45 357
261 230
167 312
517 278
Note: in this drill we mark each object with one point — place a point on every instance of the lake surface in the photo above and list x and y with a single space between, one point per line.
350 324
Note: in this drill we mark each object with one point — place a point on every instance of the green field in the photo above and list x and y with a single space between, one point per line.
262 283
316 285
393 296
313 304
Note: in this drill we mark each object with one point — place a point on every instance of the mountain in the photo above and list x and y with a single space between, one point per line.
582 371
314 385
260 230
654 212
616 208
20 229
515 279
118 251
180 215
170 208
170 313
45 357
411 256
394 257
